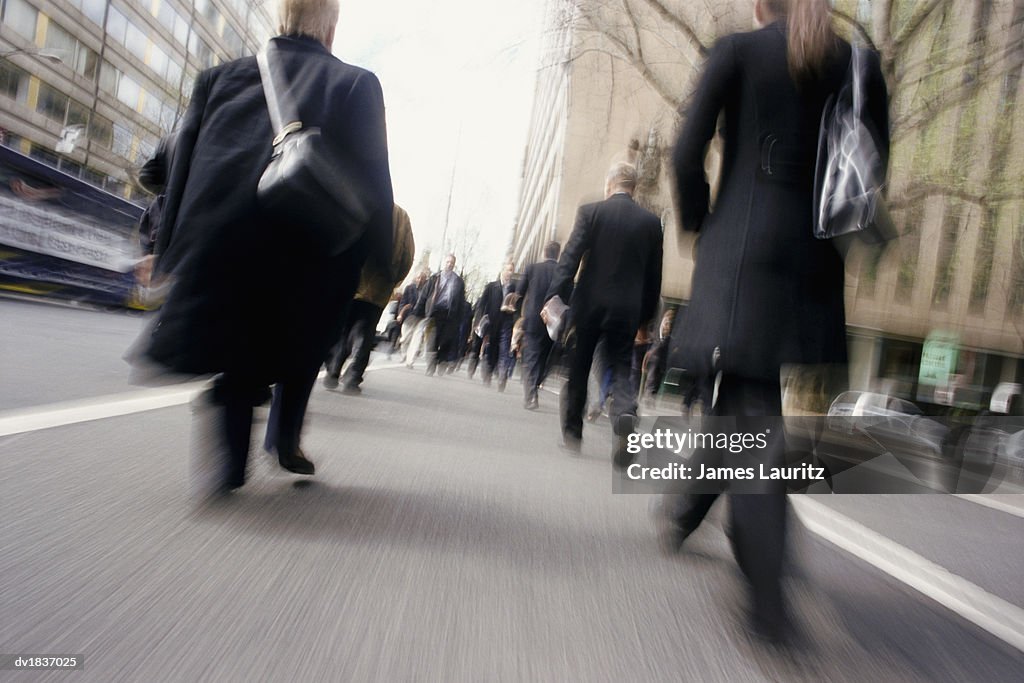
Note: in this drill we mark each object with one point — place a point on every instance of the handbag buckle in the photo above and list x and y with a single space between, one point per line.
287 130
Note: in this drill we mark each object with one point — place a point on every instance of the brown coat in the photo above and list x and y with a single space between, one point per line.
375 286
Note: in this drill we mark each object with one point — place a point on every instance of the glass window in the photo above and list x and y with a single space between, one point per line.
151 106
44 155
117 25
52 103
122 143
87 62
158 60
78 113
166 15
173 72
101 131
21 17
13 81
136 41
128 91
60 40
109 77
181 30
94 9
167 115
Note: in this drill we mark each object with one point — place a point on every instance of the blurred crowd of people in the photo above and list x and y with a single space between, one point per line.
256 304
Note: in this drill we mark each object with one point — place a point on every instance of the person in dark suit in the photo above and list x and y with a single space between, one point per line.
536 342
766 293
359 331
497 350
441 302
254 302
617 293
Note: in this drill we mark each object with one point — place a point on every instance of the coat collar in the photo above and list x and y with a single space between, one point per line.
300 42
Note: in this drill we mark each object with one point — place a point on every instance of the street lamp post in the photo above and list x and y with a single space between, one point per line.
52 56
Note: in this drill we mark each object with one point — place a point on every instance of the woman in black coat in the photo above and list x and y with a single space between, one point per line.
766 292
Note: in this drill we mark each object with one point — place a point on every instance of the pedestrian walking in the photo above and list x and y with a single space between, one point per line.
256 298
766 293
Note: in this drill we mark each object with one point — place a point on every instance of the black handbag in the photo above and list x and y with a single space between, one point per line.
849 179
309 185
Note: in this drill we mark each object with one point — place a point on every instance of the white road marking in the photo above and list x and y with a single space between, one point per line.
1015 508
102 407
991 613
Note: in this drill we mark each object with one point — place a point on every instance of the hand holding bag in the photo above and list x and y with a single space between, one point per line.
308 185
849 180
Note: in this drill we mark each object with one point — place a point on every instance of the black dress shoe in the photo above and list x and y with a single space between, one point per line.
531 404
670 533
572 444
621 457
351 390
330 381
296 462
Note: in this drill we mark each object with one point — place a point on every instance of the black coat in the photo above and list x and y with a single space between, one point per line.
249 292
489 304
765 291
620 284
427 306
533 288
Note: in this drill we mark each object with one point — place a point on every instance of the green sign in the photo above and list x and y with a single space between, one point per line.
938 359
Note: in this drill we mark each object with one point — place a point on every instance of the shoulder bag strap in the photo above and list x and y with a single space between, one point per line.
284 116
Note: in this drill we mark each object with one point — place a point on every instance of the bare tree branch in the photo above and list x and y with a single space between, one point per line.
681 25
664 90
922 11
919 191
857 26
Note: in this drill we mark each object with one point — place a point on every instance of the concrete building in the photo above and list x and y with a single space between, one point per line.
616 74
110 77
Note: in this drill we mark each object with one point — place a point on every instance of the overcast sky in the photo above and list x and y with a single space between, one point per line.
458 80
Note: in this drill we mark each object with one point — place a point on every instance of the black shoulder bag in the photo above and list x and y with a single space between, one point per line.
308 186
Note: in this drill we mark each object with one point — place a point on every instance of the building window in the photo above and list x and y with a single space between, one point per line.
13 81
94 10
101 131
87 62
21 17
128 91
122 141
117 25
109 77
52 103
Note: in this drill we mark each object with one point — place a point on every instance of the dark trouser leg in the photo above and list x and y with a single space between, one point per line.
535 358
447 338
619 353
758 507
364 331
574 394
288 410
505 359
233 399
474 354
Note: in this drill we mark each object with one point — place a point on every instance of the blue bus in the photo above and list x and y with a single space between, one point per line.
62 237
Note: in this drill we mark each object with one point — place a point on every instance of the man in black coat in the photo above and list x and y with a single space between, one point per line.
497 354
532 290
616 294
254 301
441 302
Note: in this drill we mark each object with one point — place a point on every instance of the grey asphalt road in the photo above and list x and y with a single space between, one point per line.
444 538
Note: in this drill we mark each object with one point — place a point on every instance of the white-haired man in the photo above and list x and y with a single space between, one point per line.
254 301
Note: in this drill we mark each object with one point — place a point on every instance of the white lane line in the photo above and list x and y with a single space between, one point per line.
102 407
72 412
1016 509
991 613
